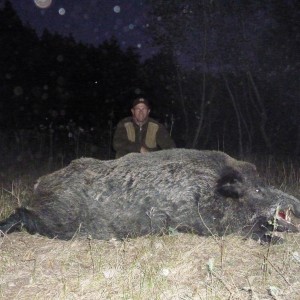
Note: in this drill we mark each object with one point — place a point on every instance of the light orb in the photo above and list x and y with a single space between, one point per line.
43 3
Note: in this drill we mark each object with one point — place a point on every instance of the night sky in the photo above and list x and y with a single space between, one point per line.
90 21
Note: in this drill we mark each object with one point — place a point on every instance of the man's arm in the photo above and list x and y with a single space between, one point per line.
164 140
121 144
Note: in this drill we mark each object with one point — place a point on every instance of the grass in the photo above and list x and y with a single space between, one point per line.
168 267
283 173
181 266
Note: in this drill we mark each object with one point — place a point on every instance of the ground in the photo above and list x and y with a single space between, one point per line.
179 266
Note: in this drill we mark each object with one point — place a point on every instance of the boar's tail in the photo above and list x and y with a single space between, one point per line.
21 218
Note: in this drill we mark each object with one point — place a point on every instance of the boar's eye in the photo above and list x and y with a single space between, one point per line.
257 190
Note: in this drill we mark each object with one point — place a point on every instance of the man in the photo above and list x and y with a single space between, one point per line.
140 133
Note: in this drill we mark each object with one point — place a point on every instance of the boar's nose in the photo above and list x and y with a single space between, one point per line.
288 214
296 210
287 201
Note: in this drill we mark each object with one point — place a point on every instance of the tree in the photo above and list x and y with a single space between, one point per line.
233 42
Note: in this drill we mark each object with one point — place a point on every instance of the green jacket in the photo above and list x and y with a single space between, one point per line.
130 137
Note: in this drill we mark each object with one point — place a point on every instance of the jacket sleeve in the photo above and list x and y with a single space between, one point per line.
121 144
164 140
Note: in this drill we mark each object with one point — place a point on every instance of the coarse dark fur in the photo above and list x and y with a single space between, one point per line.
205 192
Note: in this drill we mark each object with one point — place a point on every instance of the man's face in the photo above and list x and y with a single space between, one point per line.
140 113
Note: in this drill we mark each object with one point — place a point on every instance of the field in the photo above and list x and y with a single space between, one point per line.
177 266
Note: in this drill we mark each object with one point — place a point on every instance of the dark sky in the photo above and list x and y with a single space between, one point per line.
90 21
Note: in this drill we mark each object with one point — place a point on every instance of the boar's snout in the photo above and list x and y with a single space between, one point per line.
288 212
288 202
287 221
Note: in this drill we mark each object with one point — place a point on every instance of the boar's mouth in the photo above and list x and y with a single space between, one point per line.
285 220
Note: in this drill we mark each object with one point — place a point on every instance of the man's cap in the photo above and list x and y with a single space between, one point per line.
140 100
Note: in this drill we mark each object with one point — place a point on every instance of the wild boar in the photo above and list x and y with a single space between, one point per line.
205 192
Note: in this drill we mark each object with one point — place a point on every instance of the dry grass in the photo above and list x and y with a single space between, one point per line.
168 267
282 173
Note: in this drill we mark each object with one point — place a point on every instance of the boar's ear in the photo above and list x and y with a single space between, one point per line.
230 183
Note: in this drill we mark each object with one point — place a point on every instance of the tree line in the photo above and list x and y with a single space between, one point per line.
218 82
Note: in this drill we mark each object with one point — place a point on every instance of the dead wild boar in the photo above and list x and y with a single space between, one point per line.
205 192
